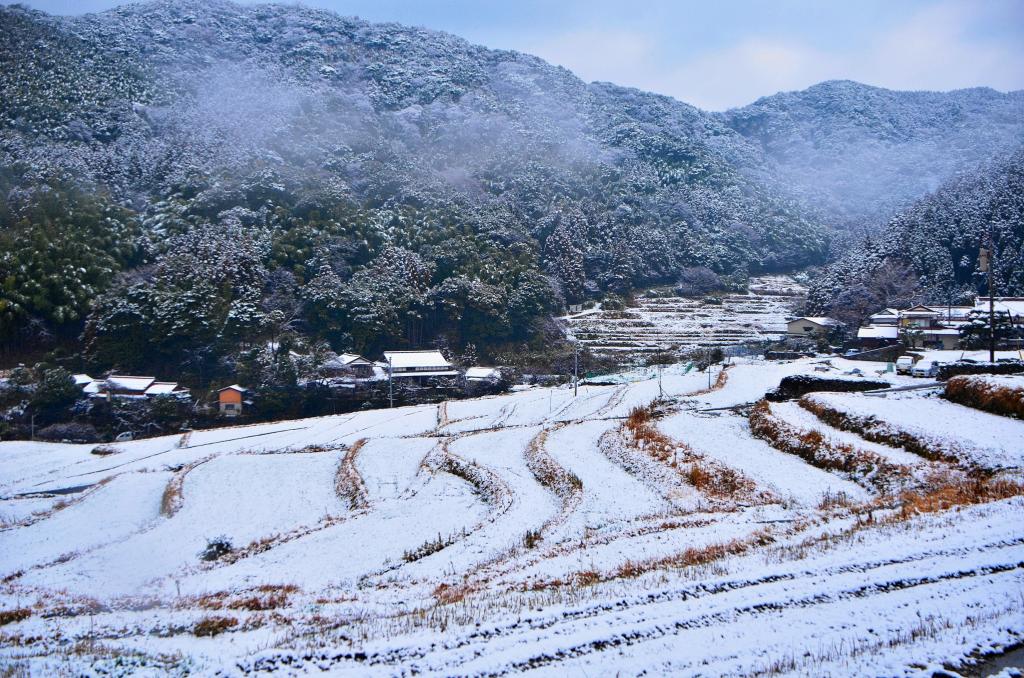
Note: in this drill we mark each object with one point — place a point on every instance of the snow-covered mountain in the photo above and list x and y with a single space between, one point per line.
937 241
309 145
863 153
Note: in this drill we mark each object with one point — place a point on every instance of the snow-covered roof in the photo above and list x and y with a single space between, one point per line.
233 387
81 379
92 387
878 333
164 388
919 311
956 312
347 360
1012 305
403 360
887 311
122 382
474 373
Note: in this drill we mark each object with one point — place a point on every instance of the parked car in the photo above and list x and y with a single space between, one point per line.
904 364
124 437
925 368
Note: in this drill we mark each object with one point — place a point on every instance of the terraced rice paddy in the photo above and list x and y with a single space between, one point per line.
661 323
535 531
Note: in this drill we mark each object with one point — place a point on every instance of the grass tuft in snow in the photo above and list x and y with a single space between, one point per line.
212 626
16 615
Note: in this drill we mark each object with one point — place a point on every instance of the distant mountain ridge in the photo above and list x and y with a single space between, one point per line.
863 153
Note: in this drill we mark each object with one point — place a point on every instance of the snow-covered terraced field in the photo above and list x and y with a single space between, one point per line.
974 437
659 323
534 531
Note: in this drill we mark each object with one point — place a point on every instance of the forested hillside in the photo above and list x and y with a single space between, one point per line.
284 168
930 251
181 181
861 154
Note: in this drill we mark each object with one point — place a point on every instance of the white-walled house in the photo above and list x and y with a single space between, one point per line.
129 386
418 365
818 326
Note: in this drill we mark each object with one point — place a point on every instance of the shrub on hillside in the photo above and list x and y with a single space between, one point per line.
983 394
71 431
797 385
950 370
216 548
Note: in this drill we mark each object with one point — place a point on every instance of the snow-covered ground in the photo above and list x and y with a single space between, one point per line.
659 323
988 440
522 532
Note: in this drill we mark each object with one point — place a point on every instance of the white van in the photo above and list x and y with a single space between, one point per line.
925 368
904 364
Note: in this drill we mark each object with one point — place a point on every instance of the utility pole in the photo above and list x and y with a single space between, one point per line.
391 390
576 371
661 393
985 261
32 432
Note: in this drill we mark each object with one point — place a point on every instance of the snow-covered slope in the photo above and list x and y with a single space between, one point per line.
529 531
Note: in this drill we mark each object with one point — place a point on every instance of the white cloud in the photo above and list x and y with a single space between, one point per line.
617 56
934 49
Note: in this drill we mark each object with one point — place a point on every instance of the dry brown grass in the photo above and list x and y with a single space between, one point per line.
814 448
705 475
260 599
447 594
348 483
944 492
720 381
172 499
975 392
549 473
700 555
212 626
877 432
630 569
16 615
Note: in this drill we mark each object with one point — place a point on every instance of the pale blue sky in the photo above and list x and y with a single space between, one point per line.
718 54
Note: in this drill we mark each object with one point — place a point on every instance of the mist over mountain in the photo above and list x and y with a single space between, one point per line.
934 244
181 173
860 154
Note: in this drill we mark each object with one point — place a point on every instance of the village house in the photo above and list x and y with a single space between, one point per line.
128 387
348 366
877 336
418 366
231 400
925 326
483 374
922 326
811 326
1012 306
